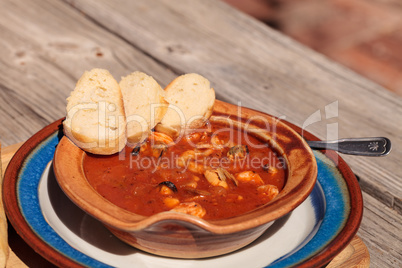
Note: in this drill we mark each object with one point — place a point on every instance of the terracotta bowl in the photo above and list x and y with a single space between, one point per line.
184 236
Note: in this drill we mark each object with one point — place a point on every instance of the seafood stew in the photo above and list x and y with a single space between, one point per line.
213 173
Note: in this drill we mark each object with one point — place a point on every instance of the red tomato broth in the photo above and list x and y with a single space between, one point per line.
133 182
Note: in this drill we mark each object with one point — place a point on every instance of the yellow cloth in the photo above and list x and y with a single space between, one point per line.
3 224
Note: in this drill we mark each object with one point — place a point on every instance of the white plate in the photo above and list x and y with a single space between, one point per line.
49 222
90 237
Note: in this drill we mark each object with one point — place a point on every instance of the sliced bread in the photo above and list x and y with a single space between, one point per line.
144 105
191 100
95 119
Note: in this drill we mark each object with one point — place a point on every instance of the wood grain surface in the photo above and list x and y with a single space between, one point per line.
4 252
47 45
354 255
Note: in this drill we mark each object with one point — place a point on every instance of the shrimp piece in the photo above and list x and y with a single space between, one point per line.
249 176
224 174
158 144
217 143
191 184
195 167
268 190
191 166
159 137
219 176
185 158
205 153
214 179
201 146
198 136
190 208
193 137
191 155
202 154
164 190
171 202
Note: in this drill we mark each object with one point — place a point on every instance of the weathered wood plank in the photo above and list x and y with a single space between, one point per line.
354 255
46 45
380 230
45 48
251 64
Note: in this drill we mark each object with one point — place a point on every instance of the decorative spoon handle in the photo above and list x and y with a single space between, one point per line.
378 146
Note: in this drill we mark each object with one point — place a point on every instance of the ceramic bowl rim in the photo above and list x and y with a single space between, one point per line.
83 195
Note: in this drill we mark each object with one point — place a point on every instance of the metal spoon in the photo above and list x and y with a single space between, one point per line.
378 146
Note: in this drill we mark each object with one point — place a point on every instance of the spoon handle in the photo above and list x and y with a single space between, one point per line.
378 146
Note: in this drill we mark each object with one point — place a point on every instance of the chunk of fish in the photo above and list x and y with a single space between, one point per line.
213 178
249 177
219 176
159 137
171 202
268 190
191 208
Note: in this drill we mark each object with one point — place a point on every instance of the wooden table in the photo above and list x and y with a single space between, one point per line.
47 45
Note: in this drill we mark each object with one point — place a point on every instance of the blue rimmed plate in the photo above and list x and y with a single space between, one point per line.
311 235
